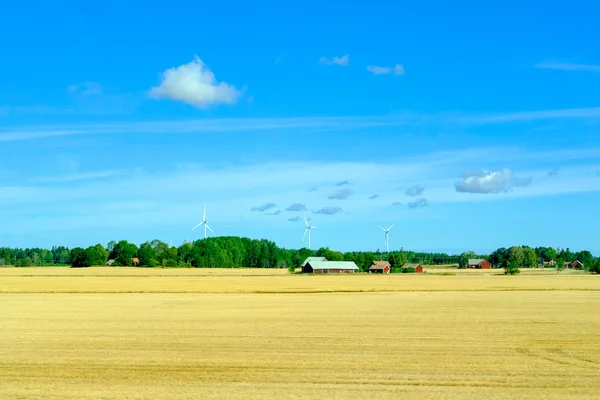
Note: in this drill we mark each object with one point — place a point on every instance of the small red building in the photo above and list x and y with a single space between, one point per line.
576 264
380 267
479 263
417 267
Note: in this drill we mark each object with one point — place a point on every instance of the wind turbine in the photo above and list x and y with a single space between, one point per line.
387 231
205 223
308 228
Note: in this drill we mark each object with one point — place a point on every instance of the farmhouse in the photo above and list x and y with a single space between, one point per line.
551 263
312 259
575 265
110 262
417 267
479 263
329 267
380 267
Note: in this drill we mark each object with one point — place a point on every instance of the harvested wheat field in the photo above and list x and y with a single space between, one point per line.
443 339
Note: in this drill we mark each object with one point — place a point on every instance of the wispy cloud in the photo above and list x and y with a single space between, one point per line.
420 203
398 69
329 124
553 172
264 207
342 61
78 176
86 89
294 219
274 213
490 182
396 204
414 190
193 83
343 183
328 210
341 194
373 196
568 66
296 207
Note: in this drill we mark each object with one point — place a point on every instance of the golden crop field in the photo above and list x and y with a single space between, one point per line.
124 333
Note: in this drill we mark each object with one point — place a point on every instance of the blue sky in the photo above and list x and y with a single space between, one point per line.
469 125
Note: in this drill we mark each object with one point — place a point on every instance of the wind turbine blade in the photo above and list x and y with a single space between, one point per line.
390 227
312 227
382 228
204 219
303 236
306 222
197 225
209 228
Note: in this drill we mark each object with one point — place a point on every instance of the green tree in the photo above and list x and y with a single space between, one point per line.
97 255
516 254
79 258
560 264
530 259
512 268
123 252
463 261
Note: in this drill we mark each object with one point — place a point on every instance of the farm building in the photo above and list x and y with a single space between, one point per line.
479 263
329 267
310 259
110 262
551 263
417 267
380 267
575 264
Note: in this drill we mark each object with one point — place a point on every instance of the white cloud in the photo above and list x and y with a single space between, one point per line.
86 89
342 61
568 66
193 83
215 125
414 190
378 70
490 182
398 69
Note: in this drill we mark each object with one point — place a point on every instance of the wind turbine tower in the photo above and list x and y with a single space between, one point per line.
387 232
308 228
205 223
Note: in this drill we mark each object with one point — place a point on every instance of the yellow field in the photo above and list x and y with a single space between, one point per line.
412 337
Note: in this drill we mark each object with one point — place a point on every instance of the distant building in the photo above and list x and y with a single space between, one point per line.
380 267
313 259
329 267
575 265
479 263
135 261
417 267
550 263
110 262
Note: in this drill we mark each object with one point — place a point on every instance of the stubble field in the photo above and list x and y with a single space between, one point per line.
118 333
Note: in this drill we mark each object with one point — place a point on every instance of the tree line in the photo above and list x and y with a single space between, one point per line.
236 252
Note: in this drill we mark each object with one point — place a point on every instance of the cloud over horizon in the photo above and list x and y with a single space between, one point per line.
420 203
414 190
341 61
398 69
328 210
296 207
486 182
294 219
193 83
341 194
264 207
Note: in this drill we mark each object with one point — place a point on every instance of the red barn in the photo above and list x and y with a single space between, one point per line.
380 267
417 267
479 263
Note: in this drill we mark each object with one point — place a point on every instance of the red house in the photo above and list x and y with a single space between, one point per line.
417 267
380 267
479 263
